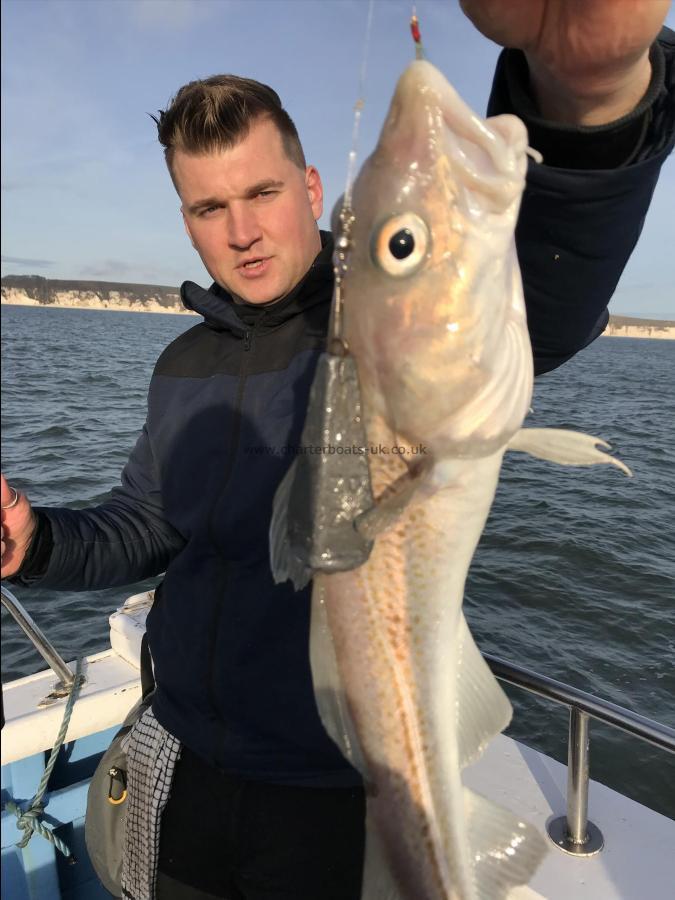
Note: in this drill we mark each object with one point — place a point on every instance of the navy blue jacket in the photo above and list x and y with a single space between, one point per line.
230 647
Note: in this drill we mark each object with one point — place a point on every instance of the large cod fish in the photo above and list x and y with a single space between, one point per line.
435 318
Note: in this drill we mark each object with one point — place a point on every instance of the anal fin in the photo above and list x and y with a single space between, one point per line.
379 882
328 691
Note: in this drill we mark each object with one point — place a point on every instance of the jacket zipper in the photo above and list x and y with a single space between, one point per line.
236 428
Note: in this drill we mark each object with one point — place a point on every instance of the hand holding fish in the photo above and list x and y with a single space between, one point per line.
18 526
588 59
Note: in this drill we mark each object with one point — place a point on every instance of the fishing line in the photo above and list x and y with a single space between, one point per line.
321 494
358 106
336 344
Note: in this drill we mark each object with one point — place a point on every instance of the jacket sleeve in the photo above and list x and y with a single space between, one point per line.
121 541
583 209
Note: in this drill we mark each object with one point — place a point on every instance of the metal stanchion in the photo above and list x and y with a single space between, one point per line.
574 833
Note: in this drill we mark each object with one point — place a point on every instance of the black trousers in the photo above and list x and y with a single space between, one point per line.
222 837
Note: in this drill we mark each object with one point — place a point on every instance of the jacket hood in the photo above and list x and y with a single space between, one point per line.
220 311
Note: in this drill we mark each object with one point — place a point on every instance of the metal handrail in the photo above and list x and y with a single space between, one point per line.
639 726
44 647
574 833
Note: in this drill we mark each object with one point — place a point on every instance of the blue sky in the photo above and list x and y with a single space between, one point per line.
84 190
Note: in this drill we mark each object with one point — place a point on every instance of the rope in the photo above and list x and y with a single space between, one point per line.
27 820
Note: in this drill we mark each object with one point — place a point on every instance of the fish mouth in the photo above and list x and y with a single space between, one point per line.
428 120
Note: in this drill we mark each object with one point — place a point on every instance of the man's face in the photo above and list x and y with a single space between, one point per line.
251 214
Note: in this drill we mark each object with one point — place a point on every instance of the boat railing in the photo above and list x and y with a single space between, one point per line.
575 833
41 643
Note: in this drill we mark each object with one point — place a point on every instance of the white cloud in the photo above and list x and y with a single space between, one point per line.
24 261
127 272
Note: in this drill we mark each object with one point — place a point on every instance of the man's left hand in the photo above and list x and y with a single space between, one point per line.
588 59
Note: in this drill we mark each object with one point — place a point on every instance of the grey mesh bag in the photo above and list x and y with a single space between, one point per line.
107 794
107 807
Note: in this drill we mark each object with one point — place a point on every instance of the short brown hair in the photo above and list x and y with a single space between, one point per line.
216 113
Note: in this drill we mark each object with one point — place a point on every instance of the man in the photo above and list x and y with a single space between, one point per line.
262 803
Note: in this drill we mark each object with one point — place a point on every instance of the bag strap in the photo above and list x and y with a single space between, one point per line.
147 676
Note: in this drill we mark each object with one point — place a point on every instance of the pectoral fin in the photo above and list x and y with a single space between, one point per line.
383 514
284 564
410 489
569 448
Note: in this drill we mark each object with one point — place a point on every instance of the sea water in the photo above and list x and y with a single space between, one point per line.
574 576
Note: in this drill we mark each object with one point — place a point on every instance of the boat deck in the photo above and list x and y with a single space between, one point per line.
638 859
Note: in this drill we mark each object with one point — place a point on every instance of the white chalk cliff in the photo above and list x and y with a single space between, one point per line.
33 290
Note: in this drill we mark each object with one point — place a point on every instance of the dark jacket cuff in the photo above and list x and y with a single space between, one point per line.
36 560
633 138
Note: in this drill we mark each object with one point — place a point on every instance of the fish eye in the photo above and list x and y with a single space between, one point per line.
400 245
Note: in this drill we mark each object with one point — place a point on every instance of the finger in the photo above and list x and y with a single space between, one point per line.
7 492
11 497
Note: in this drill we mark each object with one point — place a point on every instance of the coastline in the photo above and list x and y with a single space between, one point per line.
663 333
618 327
151 306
